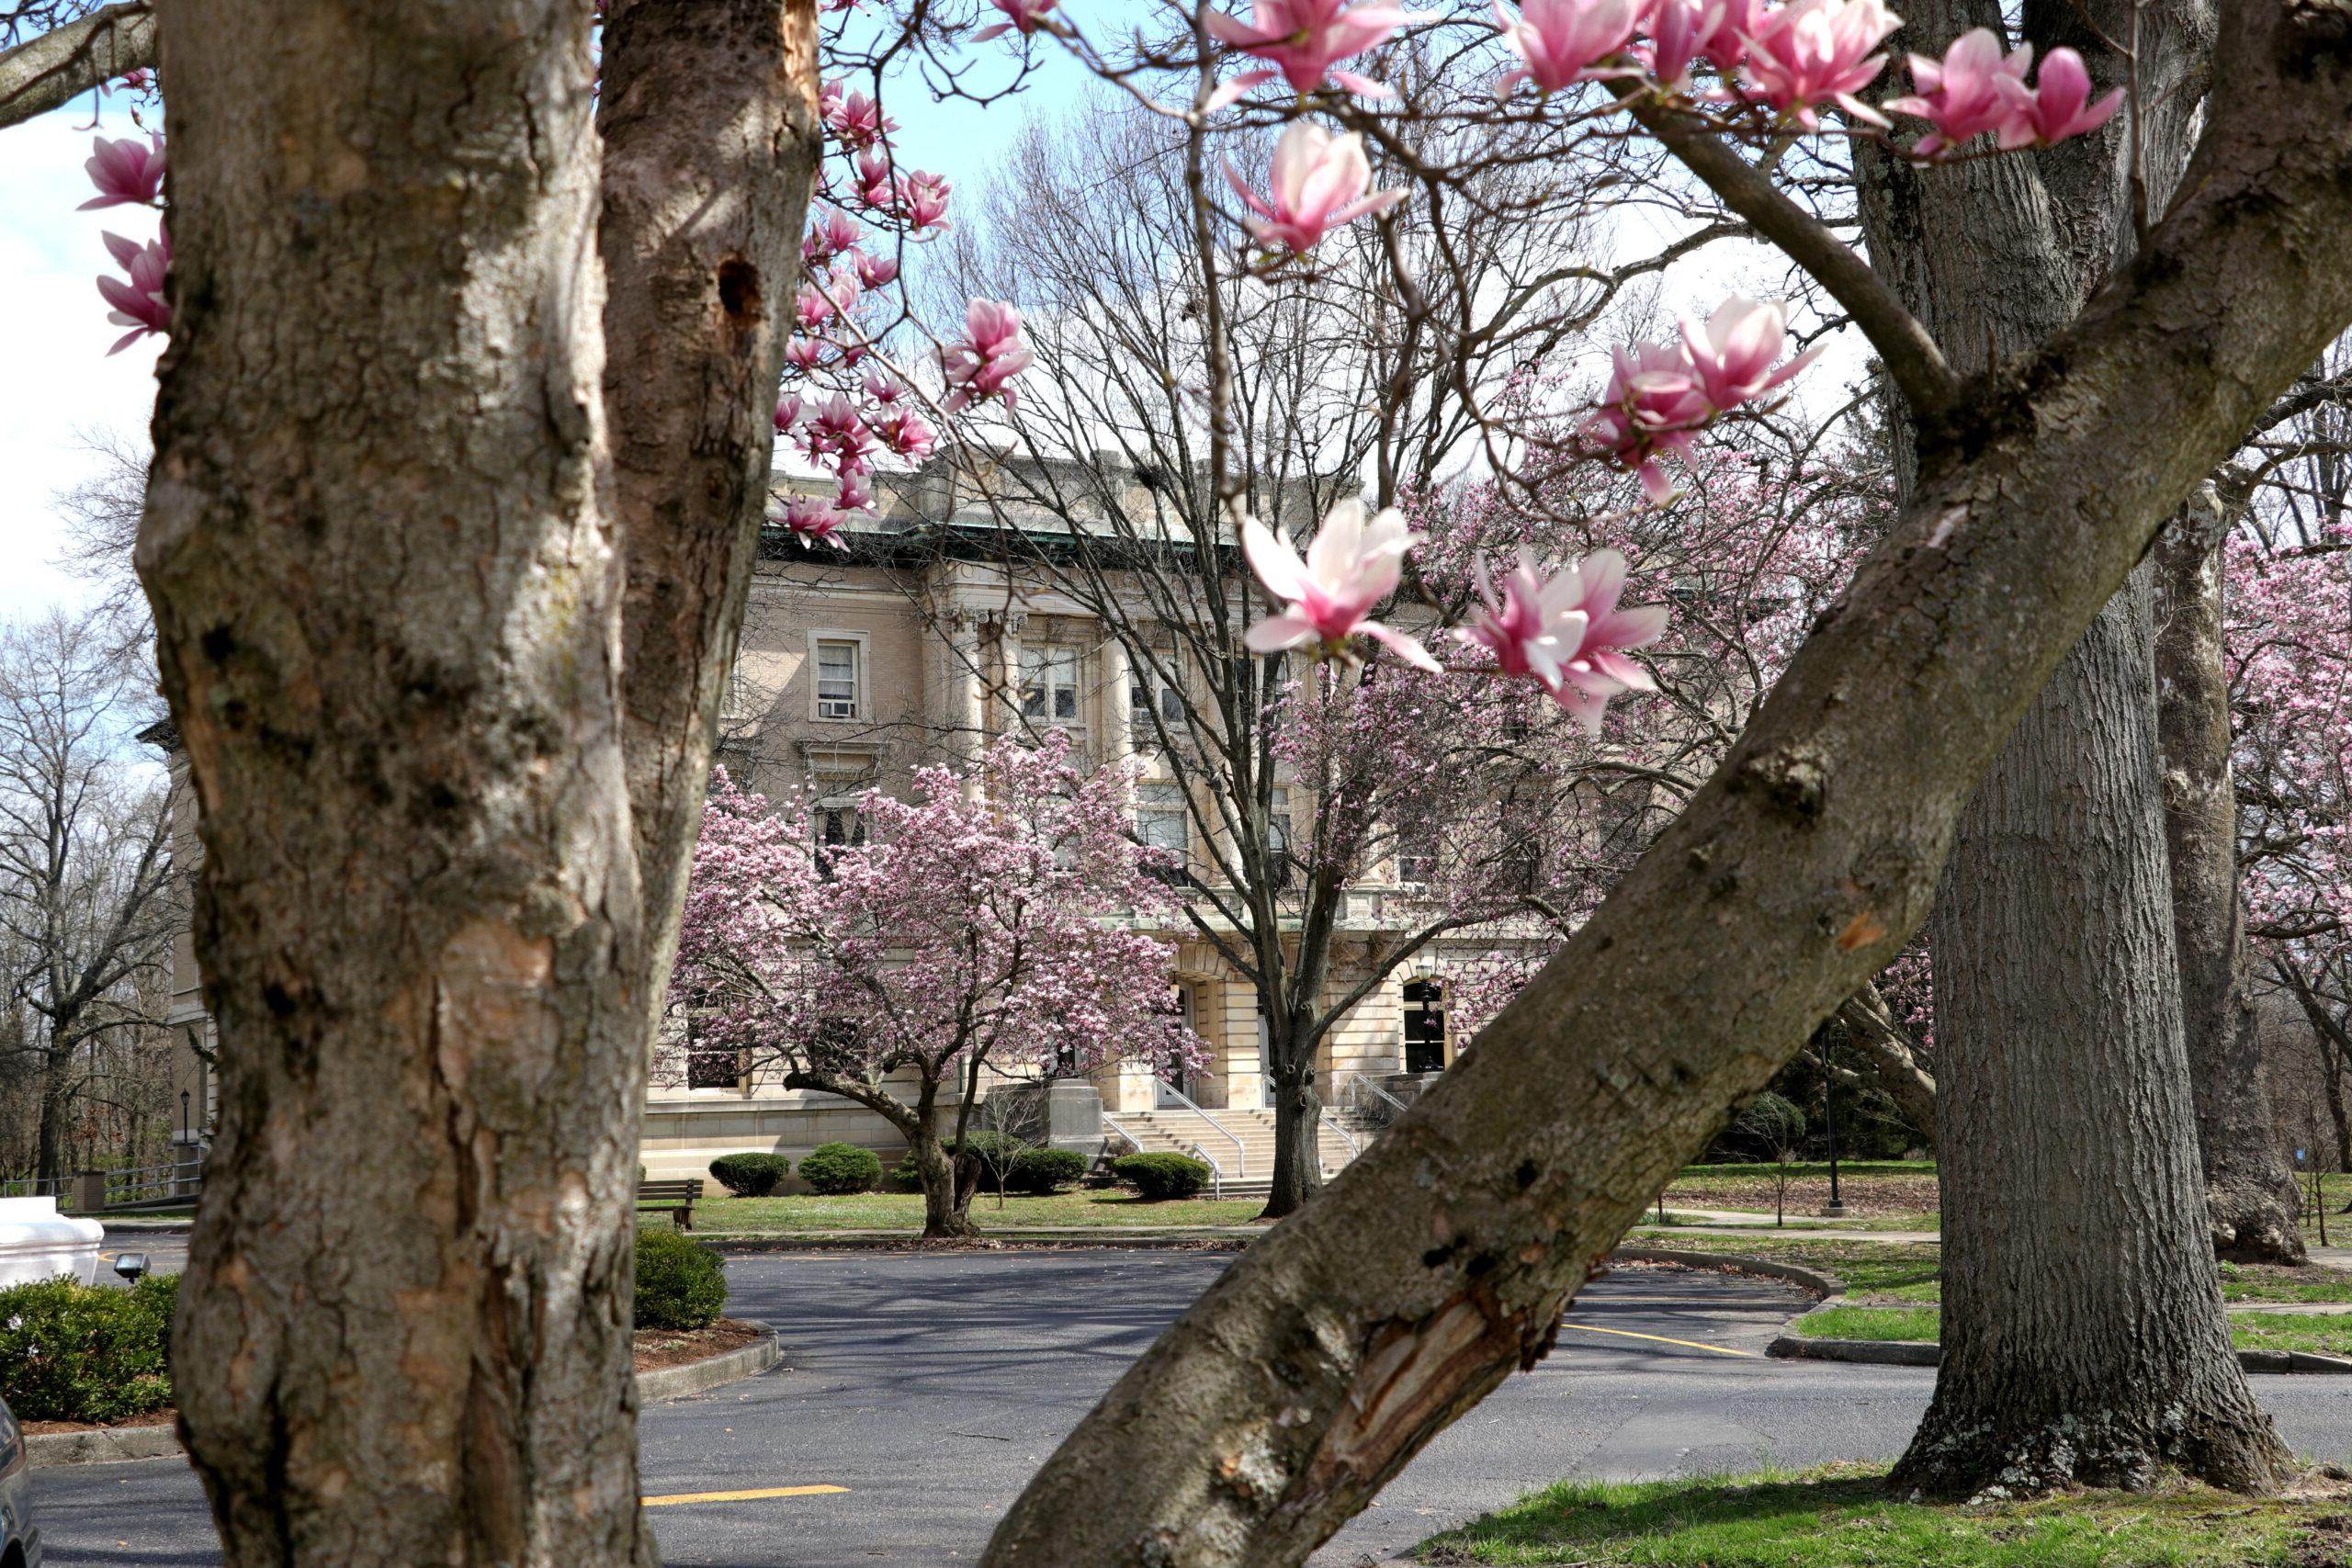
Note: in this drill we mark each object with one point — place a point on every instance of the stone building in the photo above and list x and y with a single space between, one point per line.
918 643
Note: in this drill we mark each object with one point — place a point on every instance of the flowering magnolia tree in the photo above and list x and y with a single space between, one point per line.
993 926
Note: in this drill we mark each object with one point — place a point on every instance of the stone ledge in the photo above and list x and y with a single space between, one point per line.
696 1377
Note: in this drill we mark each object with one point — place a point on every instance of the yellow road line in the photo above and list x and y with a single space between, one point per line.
677 1497
1662 1339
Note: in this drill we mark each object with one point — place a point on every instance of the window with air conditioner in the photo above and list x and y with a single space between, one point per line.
1161 824
838 678
1154 691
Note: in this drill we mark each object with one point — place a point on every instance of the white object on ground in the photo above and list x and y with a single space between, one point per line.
39 1243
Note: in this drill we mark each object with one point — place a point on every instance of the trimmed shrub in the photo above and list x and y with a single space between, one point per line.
1157 1177
72 1353
839 1169
751 1175
681 1283
1044 1171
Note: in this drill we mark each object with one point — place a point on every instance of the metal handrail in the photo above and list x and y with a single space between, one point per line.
1132 1141
1354 1148
1217 1171
1240 1150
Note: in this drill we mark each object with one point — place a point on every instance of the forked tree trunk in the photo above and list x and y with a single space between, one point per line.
946 1200
1339 1344
2083 1331
2250 1193
388 589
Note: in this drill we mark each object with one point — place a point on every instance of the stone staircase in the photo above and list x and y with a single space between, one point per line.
1246 1172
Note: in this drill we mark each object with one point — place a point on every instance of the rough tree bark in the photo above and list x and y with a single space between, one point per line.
2251 1200
1338 1345
1889 1061
2082 1330
384 542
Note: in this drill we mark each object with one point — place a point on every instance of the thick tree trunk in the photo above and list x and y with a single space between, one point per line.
1337 1346
1889 1059
389 600
946 1201
387 605
2083 1340
2083 1331
1298 1148
56 1109
708 116
2250 1192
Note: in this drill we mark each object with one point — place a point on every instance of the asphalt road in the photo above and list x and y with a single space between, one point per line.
932 1386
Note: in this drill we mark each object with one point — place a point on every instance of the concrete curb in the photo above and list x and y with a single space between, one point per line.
1828 1287
109 1445
1870 1352
699 1377
102 1445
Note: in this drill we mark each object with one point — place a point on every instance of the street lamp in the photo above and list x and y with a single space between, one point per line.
184 1137
1837 1204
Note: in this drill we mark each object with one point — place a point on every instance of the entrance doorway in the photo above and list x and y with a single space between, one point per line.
1424 1026
1171 1075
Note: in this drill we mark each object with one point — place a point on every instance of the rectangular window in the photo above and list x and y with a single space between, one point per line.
837 679
1161 824
840 826
1151 691
1049 684
1416 852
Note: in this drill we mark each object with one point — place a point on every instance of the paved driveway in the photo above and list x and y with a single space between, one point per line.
932 1386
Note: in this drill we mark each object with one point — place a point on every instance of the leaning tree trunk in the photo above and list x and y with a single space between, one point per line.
388 588
2082 1330
2250 1193
1340 1344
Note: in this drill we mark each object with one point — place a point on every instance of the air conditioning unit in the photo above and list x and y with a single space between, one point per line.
836 708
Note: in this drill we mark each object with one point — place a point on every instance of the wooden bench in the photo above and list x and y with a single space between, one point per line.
677 1198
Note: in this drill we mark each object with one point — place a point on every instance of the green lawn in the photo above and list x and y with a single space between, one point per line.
903 1211
2329 1335
1842 1517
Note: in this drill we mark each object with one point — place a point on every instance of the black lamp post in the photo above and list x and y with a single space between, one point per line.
184 1137
1837 1204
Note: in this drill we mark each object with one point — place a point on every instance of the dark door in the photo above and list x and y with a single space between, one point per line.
1424 1026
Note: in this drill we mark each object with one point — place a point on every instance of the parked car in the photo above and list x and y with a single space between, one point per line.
19 1537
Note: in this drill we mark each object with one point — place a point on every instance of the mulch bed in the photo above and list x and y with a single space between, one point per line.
1867 1197
671 1347
653 1348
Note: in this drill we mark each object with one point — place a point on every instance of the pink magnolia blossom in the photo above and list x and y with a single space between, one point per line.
2057 107
1731 357
856 493
829 236
1680 32
804 354
1024 17
857 122
1305 39
881 388
137 304
1596 669
1532 624
126 172
1558 40
1351 566
1652 405
1318 181
990 354
835 432
1961 93
922 202
813 520
787 412
873 272
1811 52
905 433
874 187
811 310
1725 40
